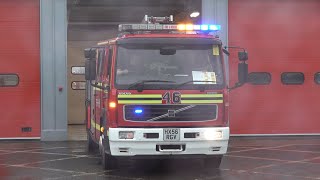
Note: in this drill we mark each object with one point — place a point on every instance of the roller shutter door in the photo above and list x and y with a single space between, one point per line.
281 36
19 68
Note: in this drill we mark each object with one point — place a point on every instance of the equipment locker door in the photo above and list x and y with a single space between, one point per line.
20 69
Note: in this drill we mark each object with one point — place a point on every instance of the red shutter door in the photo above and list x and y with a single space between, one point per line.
280 36
19 68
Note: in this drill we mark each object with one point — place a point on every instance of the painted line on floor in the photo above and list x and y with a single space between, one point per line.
26 151
246 146
49 153
285 175
97 174
33 149
257 158
56 170
274 174
304 161
47 169
304 144
262 148
38 153
267 166
52 160
37 162
121 177
300 144
61 154
73 176
291 150
5 150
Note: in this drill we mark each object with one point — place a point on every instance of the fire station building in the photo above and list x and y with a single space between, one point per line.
41 58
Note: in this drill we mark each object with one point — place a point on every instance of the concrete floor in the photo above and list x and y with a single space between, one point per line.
285 158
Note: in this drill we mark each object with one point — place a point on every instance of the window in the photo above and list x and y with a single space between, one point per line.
292 78
78 85
109 61
259 78
78 70
100 62
9 80
317 78
180 64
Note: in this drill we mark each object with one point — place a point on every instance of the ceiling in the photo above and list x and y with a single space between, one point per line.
104 12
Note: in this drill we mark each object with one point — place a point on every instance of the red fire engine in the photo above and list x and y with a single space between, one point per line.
159 90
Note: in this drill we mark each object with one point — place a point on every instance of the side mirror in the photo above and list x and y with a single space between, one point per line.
242 73
243 55
226 52
90 70
90 53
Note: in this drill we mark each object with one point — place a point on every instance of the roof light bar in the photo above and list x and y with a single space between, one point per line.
159 27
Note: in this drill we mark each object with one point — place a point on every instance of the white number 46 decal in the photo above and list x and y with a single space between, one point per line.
174 98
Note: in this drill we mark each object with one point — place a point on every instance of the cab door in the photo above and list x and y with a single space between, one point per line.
98 91
106 83
91 102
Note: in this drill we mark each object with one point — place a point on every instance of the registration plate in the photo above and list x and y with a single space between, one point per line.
171 134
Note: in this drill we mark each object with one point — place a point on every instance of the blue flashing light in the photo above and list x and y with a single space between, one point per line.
204 27
138 111
214 27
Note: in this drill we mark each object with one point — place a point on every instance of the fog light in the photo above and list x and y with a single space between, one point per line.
212 135
126 134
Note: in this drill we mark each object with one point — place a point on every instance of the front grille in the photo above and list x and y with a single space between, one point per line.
170 112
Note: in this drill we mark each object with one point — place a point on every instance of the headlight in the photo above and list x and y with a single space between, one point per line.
212 134
126 134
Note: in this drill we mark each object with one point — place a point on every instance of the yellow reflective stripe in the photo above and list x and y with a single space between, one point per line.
93 124
139 96
201 101
140 102
200 95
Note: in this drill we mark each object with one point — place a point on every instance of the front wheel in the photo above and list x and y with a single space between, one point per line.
213 161
108 161
91 145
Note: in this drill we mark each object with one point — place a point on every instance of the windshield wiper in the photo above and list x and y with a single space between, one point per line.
182 84
139 84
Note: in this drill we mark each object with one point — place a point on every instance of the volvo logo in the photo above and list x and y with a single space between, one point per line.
171 113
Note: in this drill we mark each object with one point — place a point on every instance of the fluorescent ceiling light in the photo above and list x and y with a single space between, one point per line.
194 14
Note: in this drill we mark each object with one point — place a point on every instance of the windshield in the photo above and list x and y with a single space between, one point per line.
176 63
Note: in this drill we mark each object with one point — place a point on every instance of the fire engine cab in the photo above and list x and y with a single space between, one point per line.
159 90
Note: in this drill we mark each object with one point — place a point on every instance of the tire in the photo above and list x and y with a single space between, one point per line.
213 161
91 145
108 162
